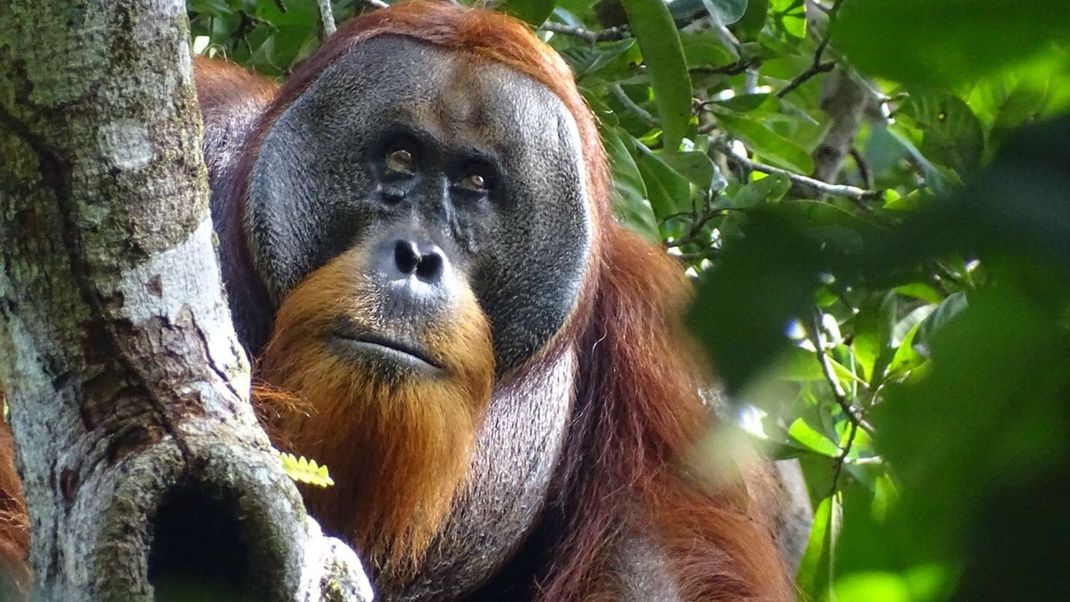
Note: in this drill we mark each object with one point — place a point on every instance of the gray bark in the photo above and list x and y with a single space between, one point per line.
844 100
128 391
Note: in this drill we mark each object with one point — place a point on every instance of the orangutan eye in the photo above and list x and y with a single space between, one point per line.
474 181
400 160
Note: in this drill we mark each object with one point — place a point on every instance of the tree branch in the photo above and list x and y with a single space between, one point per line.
126 385
590 36
854 414
326 18
841 190
729 69
841 458
817 65
802 78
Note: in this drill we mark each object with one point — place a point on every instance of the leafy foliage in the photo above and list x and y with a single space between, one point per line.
303 470
901 323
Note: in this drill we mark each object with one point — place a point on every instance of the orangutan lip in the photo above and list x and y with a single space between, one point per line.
392 348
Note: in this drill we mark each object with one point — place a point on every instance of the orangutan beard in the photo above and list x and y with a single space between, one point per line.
398 443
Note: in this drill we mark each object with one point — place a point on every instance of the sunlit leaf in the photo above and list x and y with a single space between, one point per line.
765 142
532 11
811 439
946 311
952 133
698 168
725 12
750 24
815 570
669 190
663 56
304 470
586 60
630 195
940 43
769 189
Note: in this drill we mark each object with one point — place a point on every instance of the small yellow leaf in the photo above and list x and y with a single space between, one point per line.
304 470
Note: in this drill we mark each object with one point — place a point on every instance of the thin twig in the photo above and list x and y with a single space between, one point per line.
588 35
708 253
326 18
854 414
630 104
699 219
863 167
802 78
818 65
841 458
841 190
729 69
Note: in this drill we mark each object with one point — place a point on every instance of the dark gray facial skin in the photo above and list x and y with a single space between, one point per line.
325 180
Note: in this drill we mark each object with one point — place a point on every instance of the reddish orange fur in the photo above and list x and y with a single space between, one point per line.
218 82
639 416
638 412
397 448
14 523
638 408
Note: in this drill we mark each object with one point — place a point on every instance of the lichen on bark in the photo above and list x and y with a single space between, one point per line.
127 387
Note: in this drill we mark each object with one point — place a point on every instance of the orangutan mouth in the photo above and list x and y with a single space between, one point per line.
392 350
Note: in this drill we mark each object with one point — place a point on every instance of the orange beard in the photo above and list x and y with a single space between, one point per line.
397 444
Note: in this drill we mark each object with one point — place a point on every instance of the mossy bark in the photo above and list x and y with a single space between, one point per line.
126 385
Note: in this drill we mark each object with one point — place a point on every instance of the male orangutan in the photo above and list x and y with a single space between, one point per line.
418 245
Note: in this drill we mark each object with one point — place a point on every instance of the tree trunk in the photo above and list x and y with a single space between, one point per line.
142 462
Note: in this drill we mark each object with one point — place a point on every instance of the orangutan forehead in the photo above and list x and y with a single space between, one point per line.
458 96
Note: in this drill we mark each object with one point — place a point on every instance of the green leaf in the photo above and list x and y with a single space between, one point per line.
989 414
586 60
872 341
531 11
803 433
934 322
670 191
630 200
698 168
921 291
790 17
952 134
702 49
1020 202
744 305
942 42
937 180
815 569
750 24
800 365
658 40
745 103
834 228
215 8
725 12
921 584
303 15
764 141
767 190
1022 94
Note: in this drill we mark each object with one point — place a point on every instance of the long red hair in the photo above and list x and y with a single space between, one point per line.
638 408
